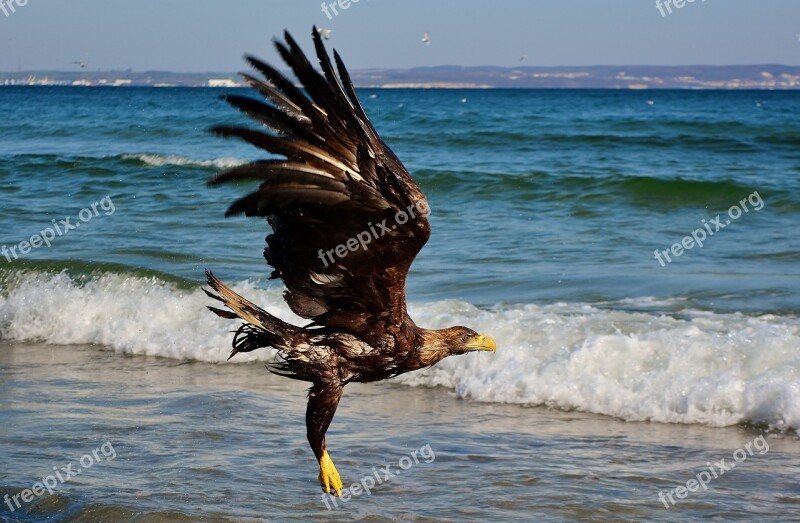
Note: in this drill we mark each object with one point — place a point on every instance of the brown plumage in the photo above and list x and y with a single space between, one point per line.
347 221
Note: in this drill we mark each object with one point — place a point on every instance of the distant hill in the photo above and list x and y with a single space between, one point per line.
590 77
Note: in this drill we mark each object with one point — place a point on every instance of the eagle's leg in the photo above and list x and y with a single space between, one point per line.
323 398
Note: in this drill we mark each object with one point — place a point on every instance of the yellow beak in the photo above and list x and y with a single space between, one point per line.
482 342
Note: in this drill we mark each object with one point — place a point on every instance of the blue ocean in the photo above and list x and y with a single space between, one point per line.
634 253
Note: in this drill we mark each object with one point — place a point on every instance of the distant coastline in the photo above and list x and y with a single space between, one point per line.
766 77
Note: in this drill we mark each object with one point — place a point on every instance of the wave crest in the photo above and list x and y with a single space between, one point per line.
157 160
709 368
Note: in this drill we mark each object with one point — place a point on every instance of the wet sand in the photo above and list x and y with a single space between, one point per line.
204 442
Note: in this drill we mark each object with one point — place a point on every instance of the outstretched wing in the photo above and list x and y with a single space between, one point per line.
347 218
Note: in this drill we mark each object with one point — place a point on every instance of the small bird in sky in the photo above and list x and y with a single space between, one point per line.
325 33
523 57
79 64
426 38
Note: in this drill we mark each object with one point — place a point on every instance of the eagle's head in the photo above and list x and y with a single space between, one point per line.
439 344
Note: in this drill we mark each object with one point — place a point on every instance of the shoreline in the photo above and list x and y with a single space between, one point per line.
199 440
524 76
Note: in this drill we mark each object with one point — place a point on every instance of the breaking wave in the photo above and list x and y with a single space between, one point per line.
697 367
157 160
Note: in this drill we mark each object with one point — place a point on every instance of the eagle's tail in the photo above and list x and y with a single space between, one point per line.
261 329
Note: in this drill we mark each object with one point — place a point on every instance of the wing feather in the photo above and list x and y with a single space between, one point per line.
332 201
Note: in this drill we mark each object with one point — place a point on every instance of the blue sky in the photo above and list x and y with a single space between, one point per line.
212 35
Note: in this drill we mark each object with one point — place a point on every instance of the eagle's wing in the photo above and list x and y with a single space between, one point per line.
347 218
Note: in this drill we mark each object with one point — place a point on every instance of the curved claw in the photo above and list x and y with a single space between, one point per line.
328 476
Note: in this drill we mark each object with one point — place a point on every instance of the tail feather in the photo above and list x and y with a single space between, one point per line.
261 329
223 314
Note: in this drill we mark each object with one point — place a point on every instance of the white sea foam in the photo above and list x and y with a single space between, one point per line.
157 160
715 369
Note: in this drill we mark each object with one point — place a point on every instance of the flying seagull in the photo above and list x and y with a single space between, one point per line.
325 33
79 64
426 38
347 221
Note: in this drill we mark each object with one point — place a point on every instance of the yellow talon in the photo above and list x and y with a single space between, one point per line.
329 476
